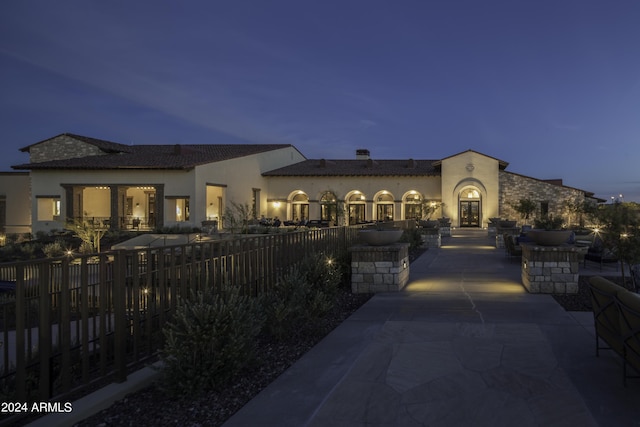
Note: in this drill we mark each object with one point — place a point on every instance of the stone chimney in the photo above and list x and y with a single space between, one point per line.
362 154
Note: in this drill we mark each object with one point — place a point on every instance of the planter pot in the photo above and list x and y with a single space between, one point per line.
380 237
507 224
549 237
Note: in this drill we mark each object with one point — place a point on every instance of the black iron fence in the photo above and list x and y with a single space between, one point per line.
74 322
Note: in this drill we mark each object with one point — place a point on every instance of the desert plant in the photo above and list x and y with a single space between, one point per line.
210 338
55 249
525 207
549 222
237 216
294 306
322 271
89 233
619 230
412 236
429 207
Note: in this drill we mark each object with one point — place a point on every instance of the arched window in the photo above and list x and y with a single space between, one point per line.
356 207
384 207
329 207
300 207
469 194
413 206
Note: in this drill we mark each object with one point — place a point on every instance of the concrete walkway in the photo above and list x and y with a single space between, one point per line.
462 344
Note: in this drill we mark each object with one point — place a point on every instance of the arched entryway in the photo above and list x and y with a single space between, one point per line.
470 207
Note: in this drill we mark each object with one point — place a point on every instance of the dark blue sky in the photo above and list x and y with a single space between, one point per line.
552 87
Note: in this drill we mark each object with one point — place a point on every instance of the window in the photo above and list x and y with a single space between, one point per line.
255 202
329 207
3 213
384 207
544 209
357 207
300 207
129 206
179 208
48 208
413 206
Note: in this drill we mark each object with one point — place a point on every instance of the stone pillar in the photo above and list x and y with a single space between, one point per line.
379 268
431 238
550 269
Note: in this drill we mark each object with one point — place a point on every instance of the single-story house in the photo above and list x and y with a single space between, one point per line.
74 177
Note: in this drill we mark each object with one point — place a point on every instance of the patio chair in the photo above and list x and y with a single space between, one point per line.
605 313
629 306
513 250
600 255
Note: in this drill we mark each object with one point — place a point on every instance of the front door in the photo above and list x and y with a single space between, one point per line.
470 213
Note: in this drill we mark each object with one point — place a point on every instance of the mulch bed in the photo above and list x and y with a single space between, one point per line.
582 300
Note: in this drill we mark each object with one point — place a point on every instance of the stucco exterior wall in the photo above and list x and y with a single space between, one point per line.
16 191
240 177
514 187
470 169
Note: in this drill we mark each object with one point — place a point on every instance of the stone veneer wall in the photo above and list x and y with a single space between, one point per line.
550 269
379 268
514 187
62 147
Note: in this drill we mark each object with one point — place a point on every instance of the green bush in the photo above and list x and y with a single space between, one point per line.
55 249
412 236
298 302
322 271
209 340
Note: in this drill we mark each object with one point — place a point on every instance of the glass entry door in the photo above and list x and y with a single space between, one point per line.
470 213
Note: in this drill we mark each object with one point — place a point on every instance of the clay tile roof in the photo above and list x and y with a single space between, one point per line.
179 156
358 167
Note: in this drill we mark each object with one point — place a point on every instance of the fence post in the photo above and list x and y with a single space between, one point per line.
44 332
120 313
21 310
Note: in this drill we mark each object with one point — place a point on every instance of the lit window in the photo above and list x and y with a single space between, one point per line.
48 208
180 208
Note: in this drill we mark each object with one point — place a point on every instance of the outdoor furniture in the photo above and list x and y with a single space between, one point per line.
616 314
629 305
605 313
601 256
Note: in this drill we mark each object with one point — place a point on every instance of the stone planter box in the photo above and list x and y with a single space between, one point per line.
550 269
379 268
432 239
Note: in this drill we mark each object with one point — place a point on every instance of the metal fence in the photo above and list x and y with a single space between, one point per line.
78 322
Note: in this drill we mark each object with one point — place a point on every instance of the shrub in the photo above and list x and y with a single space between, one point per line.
322 271
294 306
209 340
412 236
55 249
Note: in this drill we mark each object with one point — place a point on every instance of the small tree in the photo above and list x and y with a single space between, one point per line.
578 208
90 235
620 232
525 207
429 207
237 216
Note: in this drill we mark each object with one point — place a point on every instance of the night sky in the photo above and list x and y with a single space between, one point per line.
551 87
